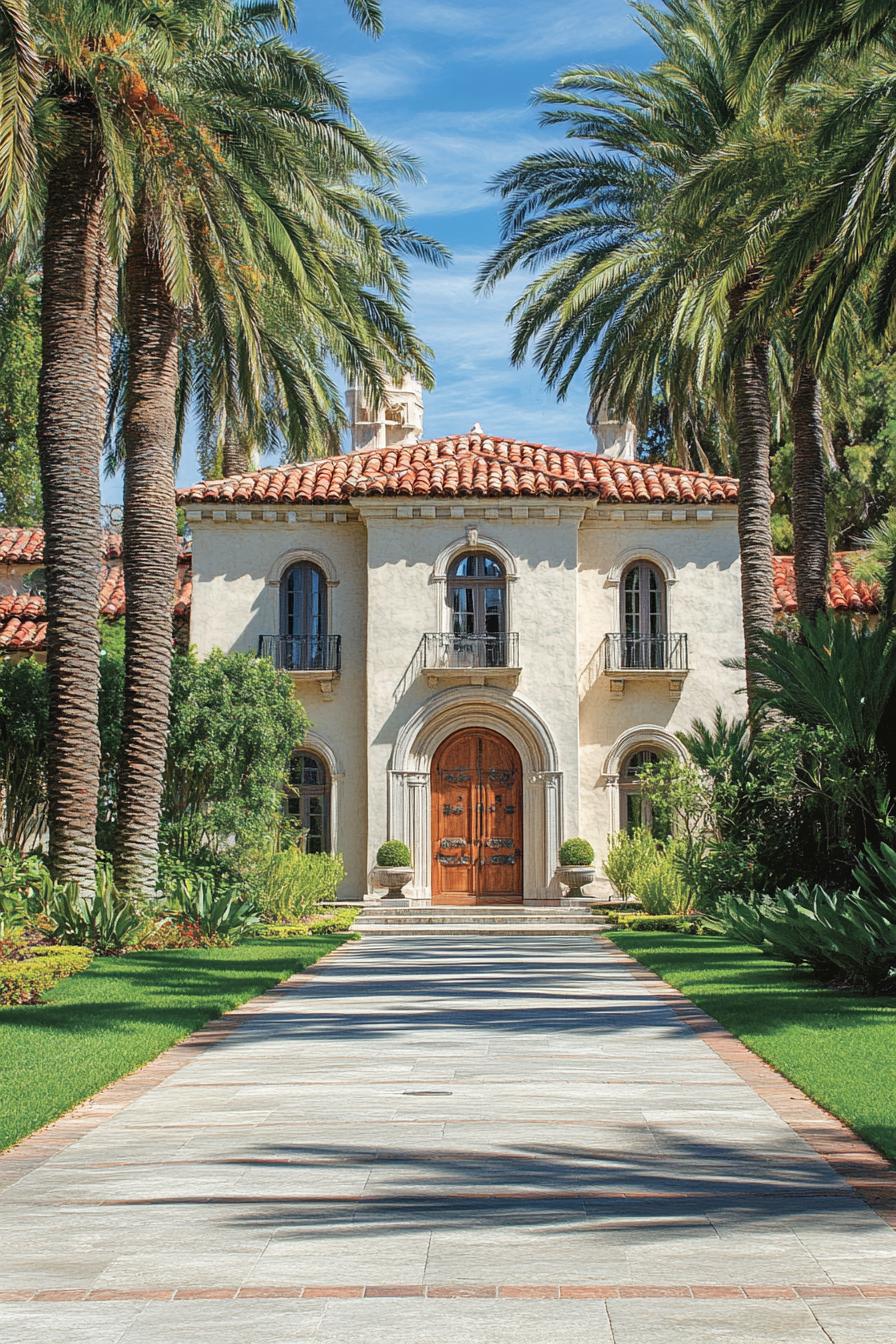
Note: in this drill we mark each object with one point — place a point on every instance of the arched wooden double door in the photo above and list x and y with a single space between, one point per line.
477 820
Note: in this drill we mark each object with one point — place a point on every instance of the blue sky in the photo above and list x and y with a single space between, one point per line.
451 80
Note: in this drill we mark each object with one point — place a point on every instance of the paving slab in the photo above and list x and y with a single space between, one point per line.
446 1140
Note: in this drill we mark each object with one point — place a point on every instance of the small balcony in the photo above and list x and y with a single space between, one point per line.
650 658
476 660
313 658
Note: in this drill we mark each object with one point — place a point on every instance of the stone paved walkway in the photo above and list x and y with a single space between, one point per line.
435 1141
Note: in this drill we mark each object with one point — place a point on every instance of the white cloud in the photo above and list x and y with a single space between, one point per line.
383 75
521 29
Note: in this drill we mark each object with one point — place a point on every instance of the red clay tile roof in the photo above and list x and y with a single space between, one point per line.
844 594
466 465
25 545
23 624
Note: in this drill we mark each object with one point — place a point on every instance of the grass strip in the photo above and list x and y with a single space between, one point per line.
839 1048
120 1013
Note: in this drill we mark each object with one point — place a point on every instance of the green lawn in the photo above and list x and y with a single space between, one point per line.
839 1048
122 1012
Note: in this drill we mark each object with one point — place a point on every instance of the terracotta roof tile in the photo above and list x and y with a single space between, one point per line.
23 624
844 593
25 545
467 466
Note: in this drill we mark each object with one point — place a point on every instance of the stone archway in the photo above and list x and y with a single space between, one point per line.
486 708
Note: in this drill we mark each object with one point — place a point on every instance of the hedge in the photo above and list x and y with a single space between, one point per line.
25 981
658 923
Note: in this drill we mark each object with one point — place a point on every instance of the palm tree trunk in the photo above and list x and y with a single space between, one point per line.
71 413
754 509
234 458
150 558
810 535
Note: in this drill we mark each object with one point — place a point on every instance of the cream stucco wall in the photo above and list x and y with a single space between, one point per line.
236 599
380 722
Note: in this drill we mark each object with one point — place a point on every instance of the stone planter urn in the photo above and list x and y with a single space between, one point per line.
575 876
394 880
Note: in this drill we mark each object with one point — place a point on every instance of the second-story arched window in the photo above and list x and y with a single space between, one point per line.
477 594
303 617
643 616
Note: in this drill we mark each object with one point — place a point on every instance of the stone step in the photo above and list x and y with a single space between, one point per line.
463 920
478 930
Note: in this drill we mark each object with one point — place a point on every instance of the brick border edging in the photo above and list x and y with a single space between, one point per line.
862 1167
34 1149
781 1292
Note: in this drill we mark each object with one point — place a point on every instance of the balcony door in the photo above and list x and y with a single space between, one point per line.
303 618
477 821
643 617
477 593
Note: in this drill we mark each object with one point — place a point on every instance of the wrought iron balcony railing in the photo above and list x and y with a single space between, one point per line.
470 651
645 653
315 653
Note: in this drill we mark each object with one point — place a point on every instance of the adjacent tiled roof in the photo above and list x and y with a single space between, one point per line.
23 622
467 465
25 545
844 592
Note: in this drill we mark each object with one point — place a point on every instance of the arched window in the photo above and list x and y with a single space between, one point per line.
303 618
643 616
636 809
477 594
308 800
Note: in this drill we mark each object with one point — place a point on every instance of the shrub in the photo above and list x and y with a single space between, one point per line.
336 921
294 883
659 885
576 853
393 854
220 914
108 923
234 726
629 852
657 923
26 979
23 751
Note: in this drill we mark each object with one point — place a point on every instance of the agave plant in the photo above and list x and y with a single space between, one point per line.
106 922
219 913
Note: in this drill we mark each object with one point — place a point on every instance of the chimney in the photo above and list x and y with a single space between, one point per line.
398 419
613 437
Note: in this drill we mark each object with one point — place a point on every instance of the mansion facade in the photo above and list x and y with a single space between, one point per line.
489 638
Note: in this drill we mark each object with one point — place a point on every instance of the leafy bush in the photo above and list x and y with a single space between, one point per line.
335 921
629 852
24 980
220 914
660 885
294 883
576 853
657 923
339 920
234 726
107 923
393 854
23 752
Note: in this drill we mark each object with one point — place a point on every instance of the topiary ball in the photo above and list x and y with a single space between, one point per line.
576 853
393 854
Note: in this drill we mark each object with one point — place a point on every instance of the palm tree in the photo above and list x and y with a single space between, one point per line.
60 73
248 166
627 284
